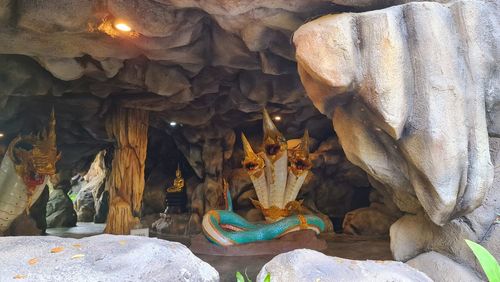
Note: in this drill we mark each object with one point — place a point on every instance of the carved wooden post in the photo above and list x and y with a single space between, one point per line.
129 127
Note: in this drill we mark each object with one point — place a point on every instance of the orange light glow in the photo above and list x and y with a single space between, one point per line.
277 118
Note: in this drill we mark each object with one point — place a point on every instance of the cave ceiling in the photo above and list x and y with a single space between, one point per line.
208 65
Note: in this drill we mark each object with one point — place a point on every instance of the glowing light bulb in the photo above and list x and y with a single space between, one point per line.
123 27
1 135
277 118
173 123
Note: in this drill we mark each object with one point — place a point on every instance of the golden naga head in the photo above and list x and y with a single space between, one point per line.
36 156
274 141
299 156
252 162
45 155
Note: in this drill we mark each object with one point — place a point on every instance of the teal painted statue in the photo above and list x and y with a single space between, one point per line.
277 175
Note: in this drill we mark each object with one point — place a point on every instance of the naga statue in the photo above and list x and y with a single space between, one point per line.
28 164
277 175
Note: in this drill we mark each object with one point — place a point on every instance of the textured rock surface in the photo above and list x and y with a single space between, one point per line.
210 66
309 265
60 212
368 221
84 205
431 141
416 121
441 268
100 258
414 234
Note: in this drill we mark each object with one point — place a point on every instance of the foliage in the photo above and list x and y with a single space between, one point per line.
72 196
488 262
240 278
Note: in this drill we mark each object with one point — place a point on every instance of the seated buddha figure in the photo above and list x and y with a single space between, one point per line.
178 182
176 198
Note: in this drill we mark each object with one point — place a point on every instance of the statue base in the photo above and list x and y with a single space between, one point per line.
305 239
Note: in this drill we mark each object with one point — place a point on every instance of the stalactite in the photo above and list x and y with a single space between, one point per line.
129 127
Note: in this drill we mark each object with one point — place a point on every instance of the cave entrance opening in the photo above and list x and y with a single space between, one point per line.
78 206
170 183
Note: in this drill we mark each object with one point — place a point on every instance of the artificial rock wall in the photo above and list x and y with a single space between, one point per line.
413 92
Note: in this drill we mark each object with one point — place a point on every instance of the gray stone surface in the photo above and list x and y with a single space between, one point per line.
414 234
100 258
441 268
309 265
60 212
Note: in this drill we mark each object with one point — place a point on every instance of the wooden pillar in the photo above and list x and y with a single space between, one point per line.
129 127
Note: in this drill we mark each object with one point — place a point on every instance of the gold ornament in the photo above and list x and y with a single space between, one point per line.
178 182
35 157
274 213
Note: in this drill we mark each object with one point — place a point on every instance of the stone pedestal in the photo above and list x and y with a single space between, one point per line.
176 202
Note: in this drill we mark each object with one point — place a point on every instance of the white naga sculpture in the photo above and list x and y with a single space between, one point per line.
25 170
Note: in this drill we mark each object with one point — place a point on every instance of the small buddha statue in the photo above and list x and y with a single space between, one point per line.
178 182
176 198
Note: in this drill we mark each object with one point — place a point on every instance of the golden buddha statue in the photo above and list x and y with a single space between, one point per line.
178 182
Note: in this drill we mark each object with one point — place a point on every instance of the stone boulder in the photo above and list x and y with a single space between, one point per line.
418 122
309 265
85 205
441 268
415 234
60 212
421 130
368 221
100 258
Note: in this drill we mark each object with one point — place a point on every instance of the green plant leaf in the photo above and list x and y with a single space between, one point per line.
488 262
239 277
268 278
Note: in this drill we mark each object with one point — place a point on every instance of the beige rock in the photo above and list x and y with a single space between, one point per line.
65 69
415 120
368 221
432 157
49 16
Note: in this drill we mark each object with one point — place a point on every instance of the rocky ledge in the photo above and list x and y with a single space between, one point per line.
309 265
100 258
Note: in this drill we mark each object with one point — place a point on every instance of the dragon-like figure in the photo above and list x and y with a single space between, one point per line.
277 174
25 170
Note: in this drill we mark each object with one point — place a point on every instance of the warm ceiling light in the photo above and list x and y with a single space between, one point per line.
277 118
173 123
1 135
123 27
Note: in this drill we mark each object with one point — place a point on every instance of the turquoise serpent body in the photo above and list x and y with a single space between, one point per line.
224 227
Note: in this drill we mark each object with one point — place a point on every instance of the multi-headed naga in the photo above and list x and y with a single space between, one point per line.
25 170
277 174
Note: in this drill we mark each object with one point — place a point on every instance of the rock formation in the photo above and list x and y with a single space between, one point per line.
309 265
410 91
103 257
126 183
411 88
